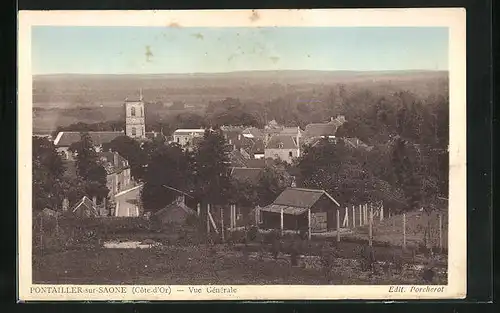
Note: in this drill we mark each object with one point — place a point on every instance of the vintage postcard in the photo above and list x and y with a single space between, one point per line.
242 155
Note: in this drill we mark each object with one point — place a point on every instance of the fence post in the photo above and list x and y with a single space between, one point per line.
338 224
353 217
281 221
404 230
198 209
222 222
41 232
208 218
370 226
440 232
345 223
309 224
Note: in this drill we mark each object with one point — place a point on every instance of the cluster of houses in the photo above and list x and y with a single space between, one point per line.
251 150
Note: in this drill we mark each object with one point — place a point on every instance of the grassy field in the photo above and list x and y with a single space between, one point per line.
191 265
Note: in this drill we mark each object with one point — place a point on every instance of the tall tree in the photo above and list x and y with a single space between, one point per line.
168 167
47 167
89 167
212 168
273 181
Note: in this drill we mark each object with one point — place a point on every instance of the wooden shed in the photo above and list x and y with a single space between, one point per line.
299 208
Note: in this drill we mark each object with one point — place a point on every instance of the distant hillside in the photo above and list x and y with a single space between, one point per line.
69 90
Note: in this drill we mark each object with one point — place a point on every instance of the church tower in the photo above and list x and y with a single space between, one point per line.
135 125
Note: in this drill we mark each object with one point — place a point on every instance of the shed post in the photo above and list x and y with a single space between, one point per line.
338 224
198 209
404 230
309 224
234 215
222 223
353 217
281 221
257 217
382 212
346 218
208 218
360 216
370 227
366 213
440 232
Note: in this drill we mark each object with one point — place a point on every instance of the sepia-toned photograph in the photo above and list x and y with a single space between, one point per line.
204 159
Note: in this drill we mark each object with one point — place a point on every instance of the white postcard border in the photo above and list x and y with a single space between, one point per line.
453 18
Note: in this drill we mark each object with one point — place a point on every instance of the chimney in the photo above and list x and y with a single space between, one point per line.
115 158
234 147
94 201
331 119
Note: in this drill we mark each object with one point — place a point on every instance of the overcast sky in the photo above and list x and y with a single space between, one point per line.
141 50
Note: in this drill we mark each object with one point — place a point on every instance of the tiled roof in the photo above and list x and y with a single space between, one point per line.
300 197
281 142
256 163
356 143
321 129
112 165
237 159
291 131
324 129
65 139
251 175
254 132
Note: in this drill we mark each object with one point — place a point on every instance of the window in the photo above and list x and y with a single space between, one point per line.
290 154
178 139
280 145
134 131
132 111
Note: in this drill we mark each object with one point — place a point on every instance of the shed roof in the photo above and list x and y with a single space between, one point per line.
301 197
65 138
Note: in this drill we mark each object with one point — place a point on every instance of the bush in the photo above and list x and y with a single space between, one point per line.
252 233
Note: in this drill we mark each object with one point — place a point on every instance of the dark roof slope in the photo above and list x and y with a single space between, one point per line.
320 129
65 139
87 206
301 198
247 174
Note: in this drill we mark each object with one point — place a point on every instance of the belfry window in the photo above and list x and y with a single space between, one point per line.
134 131
132 111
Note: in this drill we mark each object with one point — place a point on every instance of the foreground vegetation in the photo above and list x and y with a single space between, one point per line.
72 251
